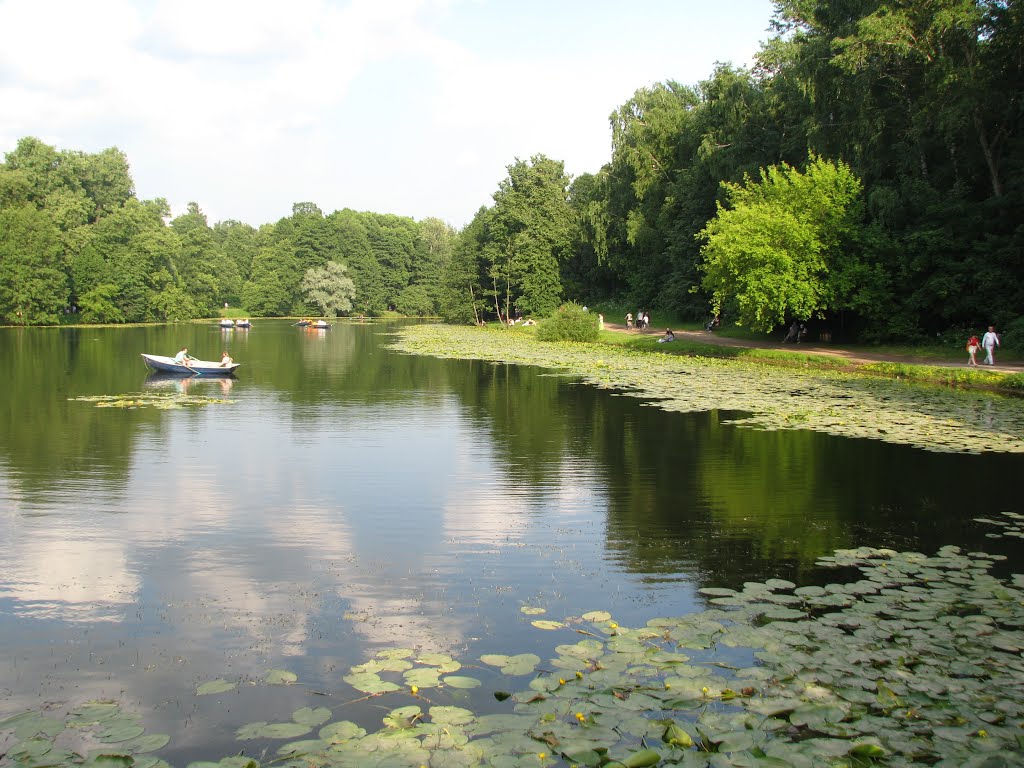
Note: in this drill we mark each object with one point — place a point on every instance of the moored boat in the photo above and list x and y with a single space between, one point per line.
197 367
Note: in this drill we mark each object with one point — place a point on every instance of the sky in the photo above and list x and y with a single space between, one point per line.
410 107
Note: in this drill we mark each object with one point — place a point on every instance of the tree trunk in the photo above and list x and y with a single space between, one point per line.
988 149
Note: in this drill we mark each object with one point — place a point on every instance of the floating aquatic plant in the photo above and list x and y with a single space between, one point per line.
161 400
845 404
917 662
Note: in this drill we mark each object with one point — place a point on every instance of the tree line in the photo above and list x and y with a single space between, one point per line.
865 174
75 238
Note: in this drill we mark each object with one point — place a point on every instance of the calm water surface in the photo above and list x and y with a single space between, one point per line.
350 498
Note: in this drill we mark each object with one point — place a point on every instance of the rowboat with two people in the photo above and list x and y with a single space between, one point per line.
190 367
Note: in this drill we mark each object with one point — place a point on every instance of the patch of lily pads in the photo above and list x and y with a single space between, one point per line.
916 661
164 401
838 403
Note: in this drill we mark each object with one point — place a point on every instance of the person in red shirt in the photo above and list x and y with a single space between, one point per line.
972 350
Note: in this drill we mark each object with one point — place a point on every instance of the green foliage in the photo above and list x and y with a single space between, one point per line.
774 249
33 286
98 306
329 287
529 231
569 323
916 662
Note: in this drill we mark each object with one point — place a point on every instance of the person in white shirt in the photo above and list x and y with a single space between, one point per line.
990 341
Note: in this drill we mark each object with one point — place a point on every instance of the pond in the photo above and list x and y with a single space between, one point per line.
337 497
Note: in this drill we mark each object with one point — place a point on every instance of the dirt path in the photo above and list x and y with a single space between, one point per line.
707 337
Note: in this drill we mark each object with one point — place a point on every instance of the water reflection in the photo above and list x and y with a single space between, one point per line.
349 498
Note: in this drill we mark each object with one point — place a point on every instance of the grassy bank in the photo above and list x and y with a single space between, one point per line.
926 372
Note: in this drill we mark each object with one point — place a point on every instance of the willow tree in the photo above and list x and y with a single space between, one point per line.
781 245
329 287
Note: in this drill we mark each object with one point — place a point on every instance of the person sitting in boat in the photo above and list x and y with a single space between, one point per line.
669 336
225 360
184 358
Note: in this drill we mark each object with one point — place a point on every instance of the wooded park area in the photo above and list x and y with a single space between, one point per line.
865 175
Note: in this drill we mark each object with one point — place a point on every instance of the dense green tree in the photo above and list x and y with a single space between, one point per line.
272 288
531 228
432 251
196 262
349 230
463 286
99 305
33 287
777 247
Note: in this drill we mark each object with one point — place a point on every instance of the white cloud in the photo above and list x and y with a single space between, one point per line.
406 106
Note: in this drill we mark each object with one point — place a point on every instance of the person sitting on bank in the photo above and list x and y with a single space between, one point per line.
669 336
184 358
225 360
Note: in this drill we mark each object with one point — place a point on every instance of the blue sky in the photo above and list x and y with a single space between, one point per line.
412 107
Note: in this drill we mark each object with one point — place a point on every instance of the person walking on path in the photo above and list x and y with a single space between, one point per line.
990 341
972 350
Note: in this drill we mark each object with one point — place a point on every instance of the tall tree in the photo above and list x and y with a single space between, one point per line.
33 287
531 228
778 248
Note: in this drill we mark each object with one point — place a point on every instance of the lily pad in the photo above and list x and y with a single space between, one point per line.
220 685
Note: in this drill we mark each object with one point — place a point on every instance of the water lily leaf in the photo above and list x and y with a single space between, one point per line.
784 614
494 659
109 761
367 682
461 681
532 611
423 678
37 724
435 659
642 759
31 748
450 716
311 717
677 737
868 749
93 712
403 717
521 664
396 653
340 732
546 624
735 741
597 616
156 762
220 685
118 731
280 677
302 747
717 591
284 730
150 742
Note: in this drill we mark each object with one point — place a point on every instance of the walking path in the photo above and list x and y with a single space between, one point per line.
707 337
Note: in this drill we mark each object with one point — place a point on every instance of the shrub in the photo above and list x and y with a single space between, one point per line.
569 323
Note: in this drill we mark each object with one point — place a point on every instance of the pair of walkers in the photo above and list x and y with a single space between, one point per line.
988 342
